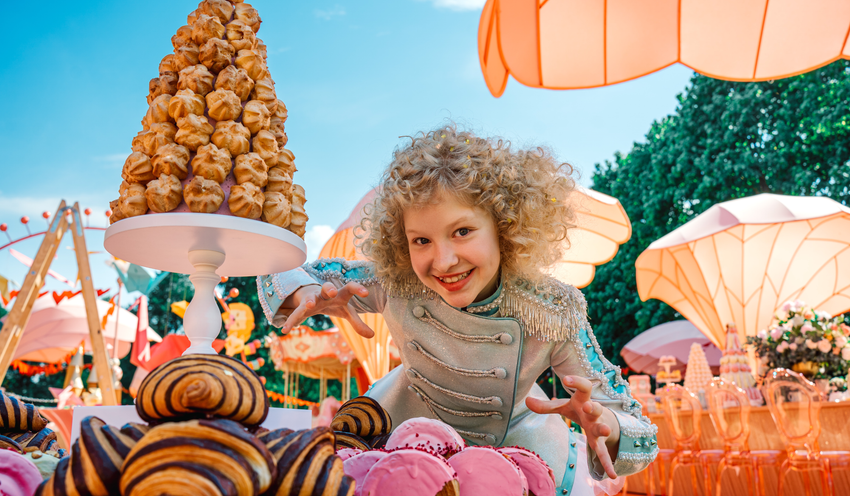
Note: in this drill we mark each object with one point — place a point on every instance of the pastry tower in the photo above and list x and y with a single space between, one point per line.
213 139
698 374
735 368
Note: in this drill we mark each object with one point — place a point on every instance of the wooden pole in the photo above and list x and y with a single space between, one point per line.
17 320
99 354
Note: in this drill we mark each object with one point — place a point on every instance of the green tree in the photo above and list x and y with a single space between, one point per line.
726 140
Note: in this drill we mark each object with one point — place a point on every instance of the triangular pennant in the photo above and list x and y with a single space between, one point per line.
141 347
213 138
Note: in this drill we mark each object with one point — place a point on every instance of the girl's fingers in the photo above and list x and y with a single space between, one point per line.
537 405
328 291
582 387
360 327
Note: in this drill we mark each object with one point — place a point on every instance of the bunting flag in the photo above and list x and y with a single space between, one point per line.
137 278
281 398
141 352
4 290
20 257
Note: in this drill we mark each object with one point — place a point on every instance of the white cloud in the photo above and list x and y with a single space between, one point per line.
32 206
316 238
459 4
335 11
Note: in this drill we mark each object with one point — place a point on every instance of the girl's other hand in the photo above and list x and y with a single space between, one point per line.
326 299
599 424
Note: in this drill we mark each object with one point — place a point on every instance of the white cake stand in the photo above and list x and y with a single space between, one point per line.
206 247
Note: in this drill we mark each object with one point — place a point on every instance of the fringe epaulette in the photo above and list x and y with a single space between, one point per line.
549 310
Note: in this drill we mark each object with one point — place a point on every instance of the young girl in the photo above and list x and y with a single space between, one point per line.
458 238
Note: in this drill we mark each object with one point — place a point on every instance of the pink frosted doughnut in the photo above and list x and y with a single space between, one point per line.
483 470
426 433
18 476
346 453
358 466
541 478
411 472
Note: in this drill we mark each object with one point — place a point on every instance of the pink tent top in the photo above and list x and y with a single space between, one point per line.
668 339
54 330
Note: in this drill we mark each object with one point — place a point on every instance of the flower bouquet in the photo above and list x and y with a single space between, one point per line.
806 341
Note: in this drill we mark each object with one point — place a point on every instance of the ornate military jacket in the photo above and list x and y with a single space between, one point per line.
473 369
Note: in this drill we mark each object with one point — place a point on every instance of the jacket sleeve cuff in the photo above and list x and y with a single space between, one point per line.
638 448
274 289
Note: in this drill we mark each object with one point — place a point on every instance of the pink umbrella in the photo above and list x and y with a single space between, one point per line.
54 330
668 339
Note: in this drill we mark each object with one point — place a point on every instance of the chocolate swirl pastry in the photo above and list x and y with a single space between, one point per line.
94 467
19 416
306 464
135 431
271 438
221 451
344 440
362 416
10 444
196 386
43 440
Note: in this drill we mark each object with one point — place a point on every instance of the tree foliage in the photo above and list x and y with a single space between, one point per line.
726 140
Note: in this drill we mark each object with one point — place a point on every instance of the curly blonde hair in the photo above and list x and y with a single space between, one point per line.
525 191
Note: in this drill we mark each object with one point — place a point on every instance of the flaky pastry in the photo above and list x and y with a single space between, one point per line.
132 199
158 110
251 168
164 194
264 92
149 141
232 136
276 209
265 145
263 49
167 64
137 169
281 112
246 200
196 78
193 131
219 8
165 84
192 17
298 222
255 116
186 55
185 102
164 129
253 64
240 35
236 80
280 181
249 15
212 162
223 105
171 159
206 27
277 129
117 214
216 54
183 36
202 196
286 161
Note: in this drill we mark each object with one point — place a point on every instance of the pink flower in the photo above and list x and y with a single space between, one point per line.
782 347
824 346
811 344
807 327
776 333
793 346
787 306
845 353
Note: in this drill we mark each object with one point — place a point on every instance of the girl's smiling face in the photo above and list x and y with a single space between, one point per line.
454 250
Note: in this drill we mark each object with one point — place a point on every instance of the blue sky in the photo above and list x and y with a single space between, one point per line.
354 75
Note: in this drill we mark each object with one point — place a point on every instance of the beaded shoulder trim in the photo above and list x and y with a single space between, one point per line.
550 310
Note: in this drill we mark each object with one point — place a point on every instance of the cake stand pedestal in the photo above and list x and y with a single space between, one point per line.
206 247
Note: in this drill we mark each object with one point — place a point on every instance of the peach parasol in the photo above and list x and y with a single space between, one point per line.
740 260
563 44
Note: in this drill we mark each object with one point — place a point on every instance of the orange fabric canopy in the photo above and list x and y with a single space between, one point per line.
565 44
741 260
602 225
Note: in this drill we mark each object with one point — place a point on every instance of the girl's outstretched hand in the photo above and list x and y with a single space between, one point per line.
326 299
598 423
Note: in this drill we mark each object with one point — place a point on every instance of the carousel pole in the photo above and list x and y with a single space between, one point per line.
322 384
18 317
115 344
